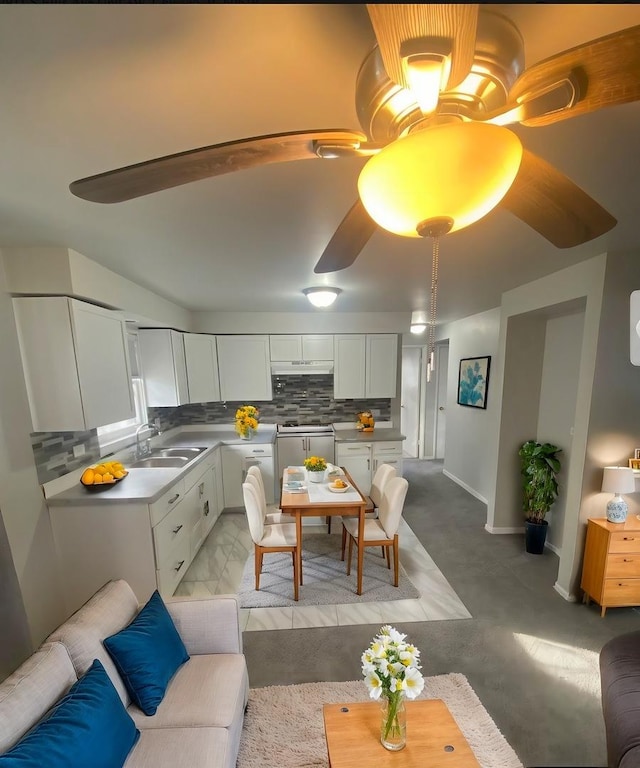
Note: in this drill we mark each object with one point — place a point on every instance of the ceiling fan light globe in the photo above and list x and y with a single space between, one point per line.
321 297
459 171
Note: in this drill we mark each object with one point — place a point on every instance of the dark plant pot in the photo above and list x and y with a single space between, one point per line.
535 535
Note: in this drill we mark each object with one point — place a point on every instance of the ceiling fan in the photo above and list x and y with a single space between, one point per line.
437 70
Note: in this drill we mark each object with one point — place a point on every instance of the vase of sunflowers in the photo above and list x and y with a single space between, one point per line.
247 421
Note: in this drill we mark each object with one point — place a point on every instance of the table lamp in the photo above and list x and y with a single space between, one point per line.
617 480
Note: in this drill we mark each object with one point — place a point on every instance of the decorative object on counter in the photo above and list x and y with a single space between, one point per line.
391 669
315 466
365 421
539 466
617 480
634 464
104 475
247 421
473 380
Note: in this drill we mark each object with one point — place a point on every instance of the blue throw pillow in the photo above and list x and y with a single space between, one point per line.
87 727
147 654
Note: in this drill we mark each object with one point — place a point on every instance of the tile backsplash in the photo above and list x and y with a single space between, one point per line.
306 399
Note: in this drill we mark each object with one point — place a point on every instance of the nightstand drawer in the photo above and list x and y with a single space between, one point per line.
625 542
621 592
626 566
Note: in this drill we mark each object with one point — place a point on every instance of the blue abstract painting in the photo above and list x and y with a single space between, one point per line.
473 380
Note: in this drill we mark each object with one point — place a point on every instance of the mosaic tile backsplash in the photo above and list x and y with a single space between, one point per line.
304 399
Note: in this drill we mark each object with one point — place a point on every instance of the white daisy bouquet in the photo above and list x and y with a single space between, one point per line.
391 668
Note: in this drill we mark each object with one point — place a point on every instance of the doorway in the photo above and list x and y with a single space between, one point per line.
410 404
440 416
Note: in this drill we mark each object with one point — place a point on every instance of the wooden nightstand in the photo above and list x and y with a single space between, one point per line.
611 566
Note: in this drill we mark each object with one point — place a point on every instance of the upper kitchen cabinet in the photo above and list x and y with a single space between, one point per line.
75 362
290 348
244 367
365 365
164 368
201 356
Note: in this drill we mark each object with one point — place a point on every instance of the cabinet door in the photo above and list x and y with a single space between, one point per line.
356 459
382 365
164 367
321 445
201 358
219 486
103 365
245 368
292 451
317 347
285 349
349 368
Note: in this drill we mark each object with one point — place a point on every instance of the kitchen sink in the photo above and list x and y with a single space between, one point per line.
191 453
162 461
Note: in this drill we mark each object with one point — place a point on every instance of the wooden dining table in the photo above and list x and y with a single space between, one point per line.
300 505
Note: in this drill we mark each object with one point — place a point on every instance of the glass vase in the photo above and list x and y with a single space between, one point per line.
247 434
393 724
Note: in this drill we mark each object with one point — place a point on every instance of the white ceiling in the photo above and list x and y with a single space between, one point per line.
88 88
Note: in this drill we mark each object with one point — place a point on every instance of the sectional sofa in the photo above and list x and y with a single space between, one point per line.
198 721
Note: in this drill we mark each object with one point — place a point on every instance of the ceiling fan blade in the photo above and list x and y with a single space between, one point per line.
396 24
554 206
607 69
203 163
353 233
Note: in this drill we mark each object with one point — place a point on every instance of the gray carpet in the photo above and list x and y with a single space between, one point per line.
283 726
530 655
325 577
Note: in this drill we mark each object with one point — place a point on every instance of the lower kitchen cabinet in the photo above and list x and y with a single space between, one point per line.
611 565
149 545
294 449
236 459
361 460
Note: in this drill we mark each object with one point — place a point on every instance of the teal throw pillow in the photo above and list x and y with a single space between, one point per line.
147 654
87 727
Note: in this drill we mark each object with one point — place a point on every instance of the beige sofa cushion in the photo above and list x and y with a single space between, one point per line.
206 691
199 748
107 612
30 692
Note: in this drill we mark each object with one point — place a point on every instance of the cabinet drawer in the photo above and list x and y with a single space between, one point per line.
197 475
353 450
621 592
173 528
626 565
625 542
383 449
166 502
171 571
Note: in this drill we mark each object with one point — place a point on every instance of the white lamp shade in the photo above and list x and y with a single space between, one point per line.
618 480
321 297
418 321
458 171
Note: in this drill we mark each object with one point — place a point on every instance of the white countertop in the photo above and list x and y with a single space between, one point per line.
358 436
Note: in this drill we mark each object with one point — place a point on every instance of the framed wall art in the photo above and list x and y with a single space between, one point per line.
473 381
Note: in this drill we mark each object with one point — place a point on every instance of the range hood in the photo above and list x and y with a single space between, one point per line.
299 367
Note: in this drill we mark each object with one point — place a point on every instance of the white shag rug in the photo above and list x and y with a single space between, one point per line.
283 725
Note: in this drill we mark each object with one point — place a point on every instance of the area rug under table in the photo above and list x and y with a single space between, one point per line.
325 577
283 725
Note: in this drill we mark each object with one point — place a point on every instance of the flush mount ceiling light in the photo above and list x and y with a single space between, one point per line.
322 297
418 321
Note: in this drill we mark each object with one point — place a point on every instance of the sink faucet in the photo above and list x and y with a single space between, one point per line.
145 448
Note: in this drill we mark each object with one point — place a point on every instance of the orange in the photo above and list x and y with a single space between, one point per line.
87 476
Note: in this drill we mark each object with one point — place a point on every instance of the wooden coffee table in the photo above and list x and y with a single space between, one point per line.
433 737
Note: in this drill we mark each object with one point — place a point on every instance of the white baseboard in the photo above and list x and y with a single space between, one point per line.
467 488
553 548
497 530
563 593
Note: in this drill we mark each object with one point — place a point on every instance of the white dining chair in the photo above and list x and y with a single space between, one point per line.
383 530
279 537
272 513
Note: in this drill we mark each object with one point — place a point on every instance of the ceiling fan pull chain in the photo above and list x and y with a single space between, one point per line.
433 307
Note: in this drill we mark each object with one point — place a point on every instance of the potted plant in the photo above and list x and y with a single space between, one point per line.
539 467
247 421
315 466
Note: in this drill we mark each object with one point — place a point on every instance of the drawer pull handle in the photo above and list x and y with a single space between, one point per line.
174 498
175 530
180 564
255 450
626 560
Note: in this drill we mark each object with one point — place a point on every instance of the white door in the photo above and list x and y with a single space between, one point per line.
442 362
410 399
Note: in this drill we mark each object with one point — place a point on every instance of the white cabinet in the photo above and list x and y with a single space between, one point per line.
236 459
163 366
76 363
244 368
356 459
365 365
387 452
201 357
294 449
292 348
149 545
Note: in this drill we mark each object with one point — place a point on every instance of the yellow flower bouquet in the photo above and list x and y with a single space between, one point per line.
247 421
315 464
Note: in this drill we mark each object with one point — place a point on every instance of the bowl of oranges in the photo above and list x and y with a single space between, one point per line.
104 475
338 486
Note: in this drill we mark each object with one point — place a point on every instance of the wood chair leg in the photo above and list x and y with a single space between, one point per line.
344 542
296 575
328 521
349 555
388 556
258 564
396 563
384 551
